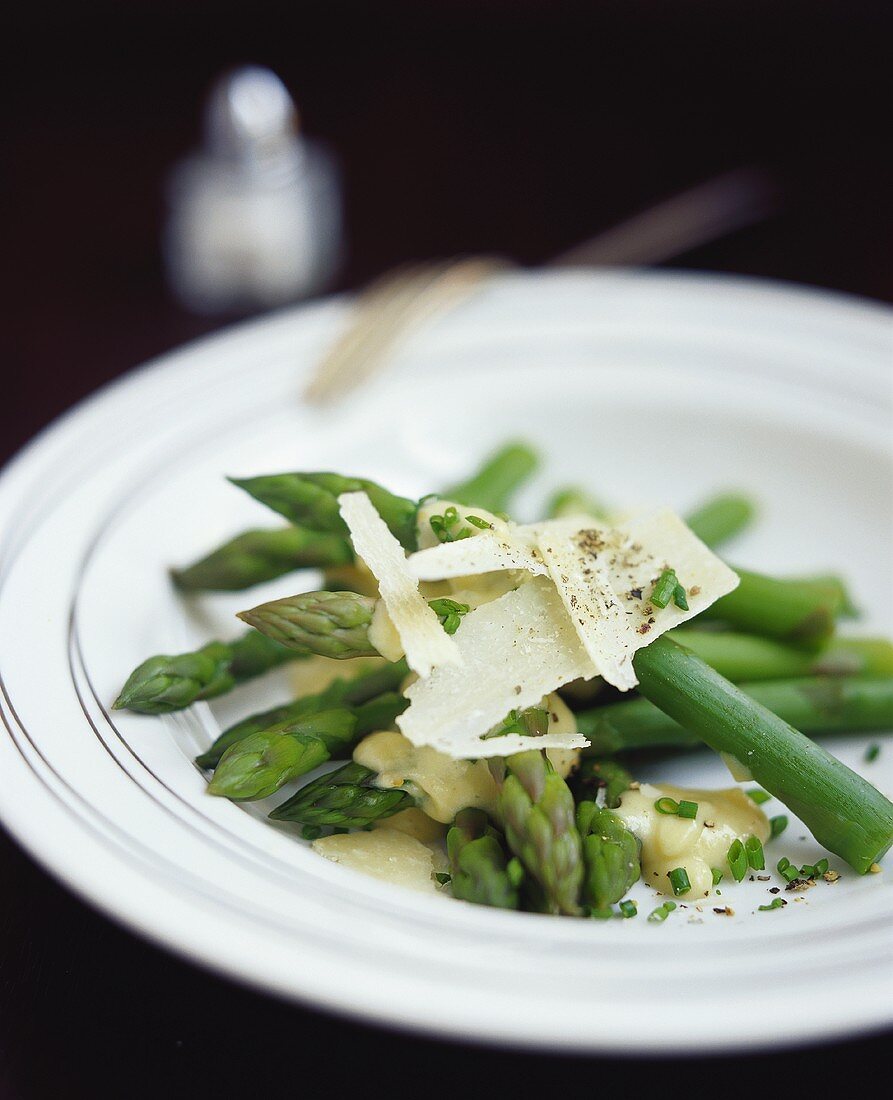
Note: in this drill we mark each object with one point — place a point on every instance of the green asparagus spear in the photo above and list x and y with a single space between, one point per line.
257 556
494 485
596 774
363 693
481 871
843 811
813 705
334 624
797 611
571 500
258 765
163 684
311 500
835 588
610 856
344 798
537 811
747 657
721 518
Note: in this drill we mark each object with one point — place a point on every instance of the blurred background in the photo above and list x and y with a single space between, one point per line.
517 127
509 127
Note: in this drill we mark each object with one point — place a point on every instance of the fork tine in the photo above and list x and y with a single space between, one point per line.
391 307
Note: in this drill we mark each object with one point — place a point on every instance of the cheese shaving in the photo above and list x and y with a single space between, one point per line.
584 587
605 576
424 640
487 552
506 546
514 651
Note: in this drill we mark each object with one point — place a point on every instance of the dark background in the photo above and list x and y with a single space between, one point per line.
518 127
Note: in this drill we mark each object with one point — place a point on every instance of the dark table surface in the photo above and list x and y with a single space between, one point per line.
517 128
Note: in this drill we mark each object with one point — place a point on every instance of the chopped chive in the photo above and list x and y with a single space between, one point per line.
717 876
660 914
679 880
679 598
777 826
807 871
756 858
311 832
481 524
688 810
737 858
664 588
442 877
450 613
628 908
872 753
776 903
666 805
442 526
821 867
758 796
786 869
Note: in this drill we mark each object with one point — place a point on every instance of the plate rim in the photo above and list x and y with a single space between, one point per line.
251 330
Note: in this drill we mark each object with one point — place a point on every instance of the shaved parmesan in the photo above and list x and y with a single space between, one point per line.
486 553
605 576
424 640
514 651
596 614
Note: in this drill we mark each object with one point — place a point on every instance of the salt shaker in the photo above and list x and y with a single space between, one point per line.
254 216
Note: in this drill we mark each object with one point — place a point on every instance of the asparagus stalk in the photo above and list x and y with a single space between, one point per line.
843 811
595 774
163 683
536 808
364 693
481 871
792 610
494 485
258 765
813 705
311 500
262 555
721 518
346 798
835 589
610 856
571 500
748 657
334 624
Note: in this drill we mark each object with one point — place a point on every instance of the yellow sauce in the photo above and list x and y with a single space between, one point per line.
385 854
443 786
698 845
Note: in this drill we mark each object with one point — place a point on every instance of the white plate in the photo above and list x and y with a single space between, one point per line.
650 387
